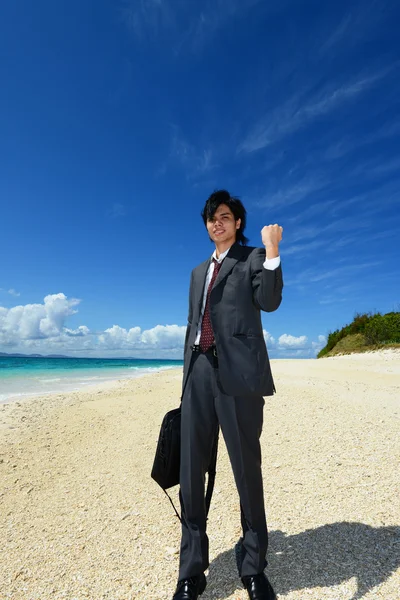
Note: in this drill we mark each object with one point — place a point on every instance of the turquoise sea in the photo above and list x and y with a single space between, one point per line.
20 376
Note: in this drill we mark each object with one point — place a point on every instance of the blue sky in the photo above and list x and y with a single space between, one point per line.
119 118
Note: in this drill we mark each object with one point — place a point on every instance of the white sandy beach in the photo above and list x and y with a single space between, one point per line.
81 517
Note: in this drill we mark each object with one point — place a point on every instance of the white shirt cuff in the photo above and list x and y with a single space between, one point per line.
272 263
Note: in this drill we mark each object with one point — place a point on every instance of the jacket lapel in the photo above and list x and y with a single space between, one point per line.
228 263
199 287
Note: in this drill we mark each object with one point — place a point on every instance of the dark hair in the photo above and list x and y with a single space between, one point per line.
239 212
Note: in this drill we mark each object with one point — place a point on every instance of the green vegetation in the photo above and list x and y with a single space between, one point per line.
369 331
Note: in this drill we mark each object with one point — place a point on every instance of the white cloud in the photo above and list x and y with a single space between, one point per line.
350 143
306 248
189 25
160 337
290 341
298 112
268 337
359 25
312 275
290 346
143 16
164 336
293 193
81 331
117 210
197 161
36 321
117 337
320 343
41 328
13 292
214 15
385 168
337 35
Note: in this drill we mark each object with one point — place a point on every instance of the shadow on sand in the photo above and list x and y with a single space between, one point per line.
322 557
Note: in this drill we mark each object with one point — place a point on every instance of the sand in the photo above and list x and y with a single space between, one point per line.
81 518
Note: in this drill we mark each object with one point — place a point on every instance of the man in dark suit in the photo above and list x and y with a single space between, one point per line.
226 375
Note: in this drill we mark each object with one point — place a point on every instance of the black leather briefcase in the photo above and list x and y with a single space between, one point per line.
166 464
167 460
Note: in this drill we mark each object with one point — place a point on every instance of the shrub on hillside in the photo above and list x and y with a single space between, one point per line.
360 322
376 328
383 329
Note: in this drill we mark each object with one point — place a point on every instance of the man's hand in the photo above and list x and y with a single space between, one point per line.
271 235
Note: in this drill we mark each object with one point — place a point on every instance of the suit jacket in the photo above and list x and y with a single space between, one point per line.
242 289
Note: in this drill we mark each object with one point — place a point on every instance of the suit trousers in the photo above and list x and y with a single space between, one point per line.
205 409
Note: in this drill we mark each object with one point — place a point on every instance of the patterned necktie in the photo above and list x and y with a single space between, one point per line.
207 334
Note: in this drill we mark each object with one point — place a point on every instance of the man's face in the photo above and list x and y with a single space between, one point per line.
222 228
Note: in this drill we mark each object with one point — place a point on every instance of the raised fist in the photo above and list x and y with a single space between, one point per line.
271 235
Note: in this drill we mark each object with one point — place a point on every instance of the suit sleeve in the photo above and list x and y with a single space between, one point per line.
267 285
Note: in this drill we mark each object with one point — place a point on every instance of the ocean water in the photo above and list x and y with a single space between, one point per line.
31 376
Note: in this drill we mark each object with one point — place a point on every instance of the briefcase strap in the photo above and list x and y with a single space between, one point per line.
173 505
210 482
211 474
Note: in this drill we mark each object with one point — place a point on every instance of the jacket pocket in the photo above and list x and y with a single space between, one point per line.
248 335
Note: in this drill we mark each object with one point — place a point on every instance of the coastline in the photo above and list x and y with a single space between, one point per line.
18 384
81 517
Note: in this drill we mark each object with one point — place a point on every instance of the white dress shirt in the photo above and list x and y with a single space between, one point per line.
270 264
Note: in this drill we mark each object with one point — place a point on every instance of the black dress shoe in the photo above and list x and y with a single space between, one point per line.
258 587
191 588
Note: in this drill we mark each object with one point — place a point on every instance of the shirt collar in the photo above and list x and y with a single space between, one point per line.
221 256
